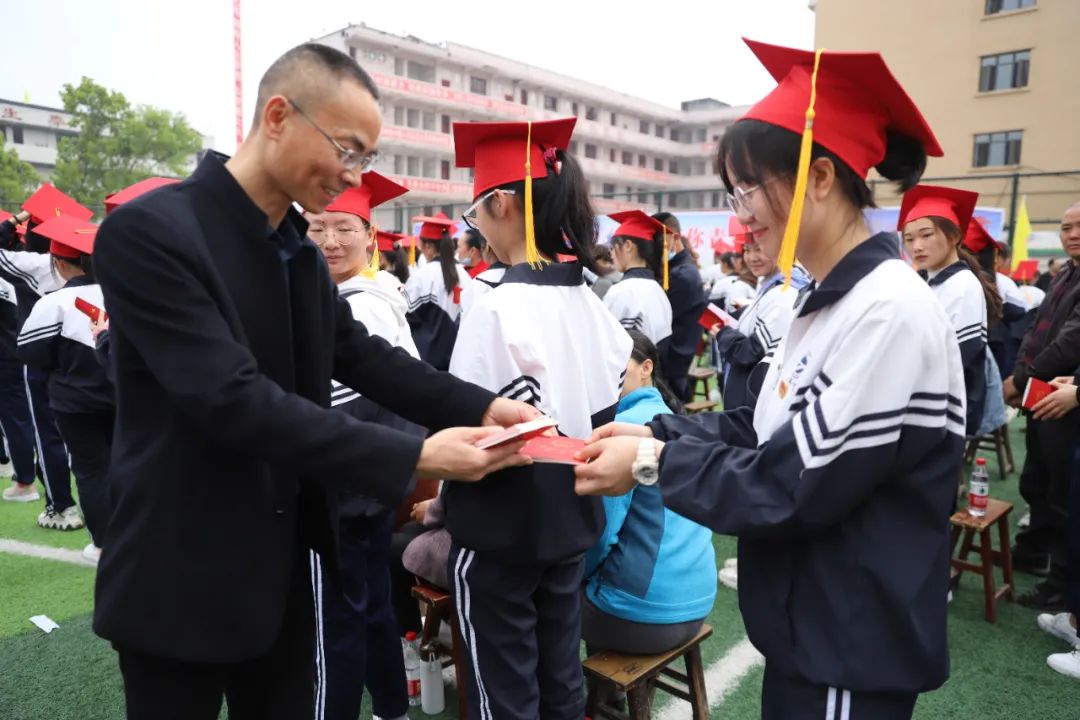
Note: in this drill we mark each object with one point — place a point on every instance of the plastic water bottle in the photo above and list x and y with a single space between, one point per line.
432 692
979 489
412 668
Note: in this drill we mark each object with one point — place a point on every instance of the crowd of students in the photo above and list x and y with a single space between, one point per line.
850 383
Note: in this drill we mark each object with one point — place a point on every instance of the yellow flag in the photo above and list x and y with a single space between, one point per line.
26 96
1021 233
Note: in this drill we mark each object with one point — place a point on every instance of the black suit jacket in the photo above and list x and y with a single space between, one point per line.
225 334
688 301
1060 351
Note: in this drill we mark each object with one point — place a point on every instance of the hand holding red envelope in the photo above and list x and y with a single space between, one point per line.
517 433
713 316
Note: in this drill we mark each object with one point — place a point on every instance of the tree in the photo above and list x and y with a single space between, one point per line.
118 145
18 178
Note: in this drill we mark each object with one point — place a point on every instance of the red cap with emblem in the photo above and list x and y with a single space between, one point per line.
637 224
952 204
432 227
374 190
48 202
497 150
739 234
388 240
131 192
977 239
69 237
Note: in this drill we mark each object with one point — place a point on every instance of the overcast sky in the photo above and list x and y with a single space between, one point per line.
179 55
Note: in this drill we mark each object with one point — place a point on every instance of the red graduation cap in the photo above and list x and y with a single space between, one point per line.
640 225
432 227
953 204
4 215
858 101
739 233
69 237
48 202
131 192
374 190
1026 270
977 239
387 240
497 150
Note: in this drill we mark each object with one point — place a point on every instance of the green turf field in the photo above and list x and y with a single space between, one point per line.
998 671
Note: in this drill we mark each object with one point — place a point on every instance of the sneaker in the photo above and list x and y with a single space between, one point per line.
92 553
729 577
68 519
1066 663
1043 597
1059 626
1025 521
21 493
731 563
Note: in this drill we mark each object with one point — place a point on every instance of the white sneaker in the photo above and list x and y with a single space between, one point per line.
67 520
1066 663
92 553
1025 521
731 562
729 577
21 493
1059 626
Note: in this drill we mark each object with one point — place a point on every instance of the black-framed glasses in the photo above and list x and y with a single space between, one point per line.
469 216
350 159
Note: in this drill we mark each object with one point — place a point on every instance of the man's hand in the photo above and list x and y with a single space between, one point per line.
609 468
1057 404
615 429
452 455
1011 394
504 413
1063 380
419 511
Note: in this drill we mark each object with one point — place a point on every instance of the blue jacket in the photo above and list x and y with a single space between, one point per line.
650 565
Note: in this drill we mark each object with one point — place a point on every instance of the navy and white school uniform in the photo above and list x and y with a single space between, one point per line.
731 293
481 285
960 293
839 484
32 276
14 405
519 535
1004 338
745 351
358 646
434 312
56 340
639 303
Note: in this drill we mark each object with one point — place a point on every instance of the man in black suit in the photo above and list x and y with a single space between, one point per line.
226 331
686 293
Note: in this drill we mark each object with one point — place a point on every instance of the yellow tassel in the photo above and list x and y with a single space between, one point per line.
665 251
532 254
786 261
412 251
373 264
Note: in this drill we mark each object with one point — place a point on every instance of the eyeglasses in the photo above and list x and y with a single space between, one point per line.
469 216
350 159
738 200
345 236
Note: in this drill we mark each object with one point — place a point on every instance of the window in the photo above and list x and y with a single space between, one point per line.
429 167
478 86
352 52
613 119
699 167
999 148
611 155
508 97
642 197
591 113
399 165
551 102
445 82
699 135
658 164
428 121
412 166
399 116
412 118
421 71
524 97
573 147
1004 71
993 7
399 66
673 167
659 130
643 127
609 188
627 157
445 169
574 109
446 124
590 150
641 162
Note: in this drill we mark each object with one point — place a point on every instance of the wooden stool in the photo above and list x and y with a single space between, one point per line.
997 513
640 675
998 443
439 608
699 378
699 406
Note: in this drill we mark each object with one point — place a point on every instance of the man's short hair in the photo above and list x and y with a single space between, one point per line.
668 219
474 239
309 71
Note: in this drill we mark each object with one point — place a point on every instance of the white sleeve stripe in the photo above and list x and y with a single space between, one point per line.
423 300
17 272
821 440
39 333
970 327
970 335
335 402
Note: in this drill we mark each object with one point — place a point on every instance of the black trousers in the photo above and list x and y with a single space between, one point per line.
788 698
1044 485
52 455
358 642
278 685
88 437
602 631
406 609
15 419
1072 534
521 626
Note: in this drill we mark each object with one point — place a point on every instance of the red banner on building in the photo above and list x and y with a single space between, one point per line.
437 92
237 75
422 137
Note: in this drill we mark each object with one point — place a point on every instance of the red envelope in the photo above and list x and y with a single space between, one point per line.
89 309
713 315
558 450
1035 391
517 433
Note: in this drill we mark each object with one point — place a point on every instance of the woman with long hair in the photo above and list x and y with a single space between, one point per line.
434 292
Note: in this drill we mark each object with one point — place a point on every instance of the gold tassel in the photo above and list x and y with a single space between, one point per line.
786 261
532 254
373 264
412 251
665 251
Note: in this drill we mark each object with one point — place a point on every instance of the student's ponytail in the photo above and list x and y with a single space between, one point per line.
643 350
988 282
447 260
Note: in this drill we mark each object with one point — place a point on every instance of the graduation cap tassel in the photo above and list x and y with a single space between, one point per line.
664 250
373 264
532 254
786 261
412 251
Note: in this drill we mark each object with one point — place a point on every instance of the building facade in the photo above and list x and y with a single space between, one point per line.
34 131
635 153
997 81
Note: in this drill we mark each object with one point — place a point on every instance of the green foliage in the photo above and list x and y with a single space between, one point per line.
118 145
17 178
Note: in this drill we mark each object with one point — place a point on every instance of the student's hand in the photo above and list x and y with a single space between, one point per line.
1063 380
98 327
715 329
452 455
614 429
1057 404
503 413
1010 393
419 511
609 467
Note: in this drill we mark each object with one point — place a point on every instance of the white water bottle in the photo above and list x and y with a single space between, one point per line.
432 692
978 489
412 668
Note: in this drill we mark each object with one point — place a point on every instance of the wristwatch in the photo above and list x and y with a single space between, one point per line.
646 468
